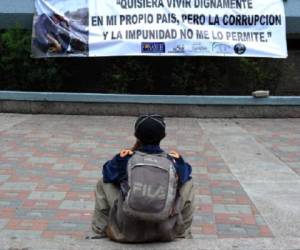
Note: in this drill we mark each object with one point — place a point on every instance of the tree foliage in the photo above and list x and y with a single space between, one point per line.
144 75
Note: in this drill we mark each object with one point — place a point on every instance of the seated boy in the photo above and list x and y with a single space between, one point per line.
123 195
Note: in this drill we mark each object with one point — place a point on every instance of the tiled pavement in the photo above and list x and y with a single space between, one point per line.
281 138
49 166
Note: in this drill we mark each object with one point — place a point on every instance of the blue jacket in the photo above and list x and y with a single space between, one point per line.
115 170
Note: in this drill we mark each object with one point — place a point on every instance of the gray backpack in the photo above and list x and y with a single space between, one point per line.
152 187
148 208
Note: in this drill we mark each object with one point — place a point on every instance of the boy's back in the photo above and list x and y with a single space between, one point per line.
123 212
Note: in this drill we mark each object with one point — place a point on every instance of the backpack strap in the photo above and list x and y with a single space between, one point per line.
164 154
175 156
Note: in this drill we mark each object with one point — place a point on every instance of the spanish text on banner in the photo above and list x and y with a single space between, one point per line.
236 28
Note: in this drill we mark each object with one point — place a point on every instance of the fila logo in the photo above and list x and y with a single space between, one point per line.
149 191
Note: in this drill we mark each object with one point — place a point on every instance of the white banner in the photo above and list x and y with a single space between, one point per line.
237 28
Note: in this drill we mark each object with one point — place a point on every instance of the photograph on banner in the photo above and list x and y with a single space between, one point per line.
234 28
60 28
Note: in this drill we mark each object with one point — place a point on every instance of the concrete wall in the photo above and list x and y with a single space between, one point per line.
16 11
20 11
292 9
130 109
178 106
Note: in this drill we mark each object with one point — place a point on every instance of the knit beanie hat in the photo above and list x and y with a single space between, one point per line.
150 129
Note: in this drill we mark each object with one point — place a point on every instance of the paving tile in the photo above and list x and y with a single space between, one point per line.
84 145
232 208
43 187
5 203
227 191
7 212
199 170
259 220
265 231
208 229
41 160
8 165
47 195
18 186
227 230
68 166
204 218
283 141
252 231
4 178
41 204
18 154
32 179
31 172
46 214
3 223
80 196
83 188
58 180
222 176
28 234
238 219
74 216
203 199
66 226
63 235
89 174
77 205
51 164
34 225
